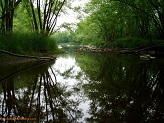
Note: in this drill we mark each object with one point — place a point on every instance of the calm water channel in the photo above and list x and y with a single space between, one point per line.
84 88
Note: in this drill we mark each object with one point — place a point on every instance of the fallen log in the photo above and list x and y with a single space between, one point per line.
27 56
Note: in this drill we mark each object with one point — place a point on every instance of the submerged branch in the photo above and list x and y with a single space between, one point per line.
18 71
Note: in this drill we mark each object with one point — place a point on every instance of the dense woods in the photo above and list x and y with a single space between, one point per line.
127 18
108 23
121 23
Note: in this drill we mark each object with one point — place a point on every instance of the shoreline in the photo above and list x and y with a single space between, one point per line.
19 59
13 60
136 51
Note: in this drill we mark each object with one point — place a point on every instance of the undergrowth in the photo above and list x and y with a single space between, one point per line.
28 43
128 43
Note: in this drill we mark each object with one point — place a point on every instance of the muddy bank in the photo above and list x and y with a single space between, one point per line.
7 58
8 61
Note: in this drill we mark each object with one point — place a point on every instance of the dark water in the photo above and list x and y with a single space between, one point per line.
84 87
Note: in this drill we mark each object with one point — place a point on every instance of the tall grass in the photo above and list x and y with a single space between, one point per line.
27 43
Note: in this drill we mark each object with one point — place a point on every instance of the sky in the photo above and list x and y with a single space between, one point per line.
70 16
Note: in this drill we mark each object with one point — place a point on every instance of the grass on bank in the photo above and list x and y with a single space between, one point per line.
28 43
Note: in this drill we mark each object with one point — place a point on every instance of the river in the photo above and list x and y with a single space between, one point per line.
84 87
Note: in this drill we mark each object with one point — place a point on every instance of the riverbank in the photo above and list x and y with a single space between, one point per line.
8 61
146 53
149 52
16 60
26 47
8 58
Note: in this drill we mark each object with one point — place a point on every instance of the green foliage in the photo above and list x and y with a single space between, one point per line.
115 20
88 32
130 43
21 20
65 37
108 22
27 42
43 15
134 43
25 16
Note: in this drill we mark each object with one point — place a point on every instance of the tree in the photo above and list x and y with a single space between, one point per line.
155 11
7 14
44 15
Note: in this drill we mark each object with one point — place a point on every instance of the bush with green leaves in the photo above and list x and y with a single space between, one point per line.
128 43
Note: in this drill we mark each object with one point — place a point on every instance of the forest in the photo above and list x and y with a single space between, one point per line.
119 24
107 23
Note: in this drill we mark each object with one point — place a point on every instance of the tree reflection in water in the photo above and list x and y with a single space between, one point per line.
41 97
122 91
117 89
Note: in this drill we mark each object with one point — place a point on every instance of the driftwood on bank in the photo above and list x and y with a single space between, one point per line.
150 52
26 56
136 50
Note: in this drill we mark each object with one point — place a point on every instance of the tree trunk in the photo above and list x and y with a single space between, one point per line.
8 7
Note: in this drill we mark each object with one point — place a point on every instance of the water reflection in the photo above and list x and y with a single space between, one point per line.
85 87
36 93
122 90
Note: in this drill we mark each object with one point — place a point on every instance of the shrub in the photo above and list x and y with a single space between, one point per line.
131 42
